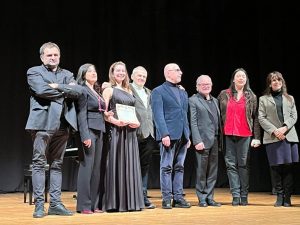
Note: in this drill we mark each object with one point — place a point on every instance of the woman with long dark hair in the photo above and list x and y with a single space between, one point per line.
238 107
90 108
277 116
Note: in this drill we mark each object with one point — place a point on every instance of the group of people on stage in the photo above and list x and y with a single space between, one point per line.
117 153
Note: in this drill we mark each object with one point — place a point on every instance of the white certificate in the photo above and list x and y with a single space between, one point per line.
126 113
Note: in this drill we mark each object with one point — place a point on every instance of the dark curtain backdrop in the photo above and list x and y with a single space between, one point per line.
204 37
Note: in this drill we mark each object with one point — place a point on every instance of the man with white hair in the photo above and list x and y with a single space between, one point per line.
205 129
145 133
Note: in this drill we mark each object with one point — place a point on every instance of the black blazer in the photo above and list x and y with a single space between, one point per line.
202 128
46 103
89 116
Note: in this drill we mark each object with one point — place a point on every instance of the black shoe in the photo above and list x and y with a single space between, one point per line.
148 204
166 204
60 210
279 201
181 203
202 203
287 201
244 201
213 203
39 211
235 201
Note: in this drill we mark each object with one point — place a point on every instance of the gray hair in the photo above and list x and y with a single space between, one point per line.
48 45
138 69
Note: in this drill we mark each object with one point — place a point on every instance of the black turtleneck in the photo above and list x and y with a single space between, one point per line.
277 96
171 84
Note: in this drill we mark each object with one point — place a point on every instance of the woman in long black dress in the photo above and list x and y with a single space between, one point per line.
123 185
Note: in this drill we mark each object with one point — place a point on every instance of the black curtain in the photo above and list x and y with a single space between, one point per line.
204 37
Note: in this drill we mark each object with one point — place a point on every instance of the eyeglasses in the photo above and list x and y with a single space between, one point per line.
204 84
178 70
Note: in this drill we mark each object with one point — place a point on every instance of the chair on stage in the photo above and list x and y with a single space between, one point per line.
71 152
28 183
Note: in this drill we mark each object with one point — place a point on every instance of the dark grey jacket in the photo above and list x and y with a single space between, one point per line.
202 127
144 115
46 103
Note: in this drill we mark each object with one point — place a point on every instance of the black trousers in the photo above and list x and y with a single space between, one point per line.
146 148
89 191
48 146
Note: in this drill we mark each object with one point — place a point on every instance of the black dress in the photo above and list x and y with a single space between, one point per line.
123 184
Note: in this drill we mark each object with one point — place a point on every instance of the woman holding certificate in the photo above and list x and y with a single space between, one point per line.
123 184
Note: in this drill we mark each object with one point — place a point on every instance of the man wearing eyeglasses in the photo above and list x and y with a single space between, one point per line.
205 128
170 105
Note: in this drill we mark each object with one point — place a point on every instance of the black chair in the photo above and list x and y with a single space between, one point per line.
71 152
28 183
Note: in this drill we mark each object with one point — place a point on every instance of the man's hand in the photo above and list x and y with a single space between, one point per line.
188 144
200 146
54 85
166 141
88 143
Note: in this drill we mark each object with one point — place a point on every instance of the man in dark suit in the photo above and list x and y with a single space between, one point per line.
145 133
52 114
170 105
205 129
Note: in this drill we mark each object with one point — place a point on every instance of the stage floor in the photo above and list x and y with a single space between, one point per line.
13 211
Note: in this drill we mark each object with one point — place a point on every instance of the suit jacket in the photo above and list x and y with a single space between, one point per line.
89 115
170 115
144 115
269 120
202 127
46 103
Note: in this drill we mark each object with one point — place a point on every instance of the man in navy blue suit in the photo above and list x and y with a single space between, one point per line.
170 106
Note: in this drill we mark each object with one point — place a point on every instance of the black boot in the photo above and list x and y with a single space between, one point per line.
287 185
244 201
279 200
287 201
276 173
235 201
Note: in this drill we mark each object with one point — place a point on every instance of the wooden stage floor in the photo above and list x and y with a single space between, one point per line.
259 211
